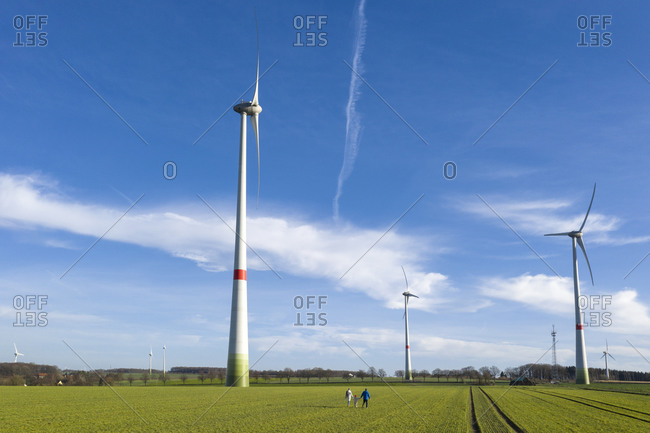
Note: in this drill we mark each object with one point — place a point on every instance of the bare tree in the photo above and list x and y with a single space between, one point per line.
361 374
145 378
212 374
202 378
424 373
286 373
399 373
130 379
372 372
484 375
255 374
381 373
469 372
183 378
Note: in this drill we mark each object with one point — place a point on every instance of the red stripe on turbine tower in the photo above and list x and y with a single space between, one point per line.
579 327
240 274
408 347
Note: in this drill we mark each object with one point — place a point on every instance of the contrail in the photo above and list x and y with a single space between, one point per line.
353 123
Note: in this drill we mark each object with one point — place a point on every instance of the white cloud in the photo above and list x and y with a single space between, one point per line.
540 217
555 296
629 315
547 293
193 232
427 351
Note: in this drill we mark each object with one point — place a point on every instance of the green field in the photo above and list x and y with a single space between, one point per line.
314 408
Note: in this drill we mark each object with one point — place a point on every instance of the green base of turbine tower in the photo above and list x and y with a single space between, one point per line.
237 372
582 376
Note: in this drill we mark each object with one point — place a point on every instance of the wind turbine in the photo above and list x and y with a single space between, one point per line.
407 294
16 353
582 374
605 355
237 367
150 357
164 351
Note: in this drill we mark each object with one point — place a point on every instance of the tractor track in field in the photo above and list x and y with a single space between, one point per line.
505 417
475 426
617 391
598 407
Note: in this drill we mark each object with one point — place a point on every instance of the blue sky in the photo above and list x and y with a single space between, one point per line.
428 81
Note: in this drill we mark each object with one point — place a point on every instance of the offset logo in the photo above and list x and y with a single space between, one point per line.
29 30
169 170
449 170
309 30
593 31
29 310
597 310
303 304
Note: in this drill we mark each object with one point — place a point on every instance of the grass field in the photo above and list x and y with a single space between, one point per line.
313 408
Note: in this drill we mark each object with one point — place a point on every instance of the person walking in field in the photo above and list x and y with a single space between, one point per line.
355 400
348 396
365 395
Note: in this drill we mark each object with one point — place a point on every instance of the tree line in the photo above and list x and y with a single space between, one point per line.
35 374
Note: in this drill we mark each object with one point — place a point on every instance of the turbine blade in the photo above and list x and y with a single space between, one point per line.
612 357
584 251
255 122
589 209
257 79
602 356
405 279
15 348
558 234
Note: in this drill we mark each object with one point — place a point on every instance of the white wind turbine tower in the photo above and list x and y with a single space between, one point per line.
582 373
16 353
164 352
150 358
237 367
407 294
605 355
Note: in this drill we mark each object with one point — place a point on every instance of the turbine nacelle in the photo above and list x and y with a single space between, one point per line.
248 108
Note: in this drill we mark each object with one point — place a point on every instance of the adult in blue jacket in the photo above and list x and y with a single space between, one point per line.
365 395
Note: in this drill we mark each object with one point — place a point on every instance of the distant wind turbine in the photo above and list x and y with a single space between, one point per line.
150 358
16 353
582 374
407 294
237 367
605 355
